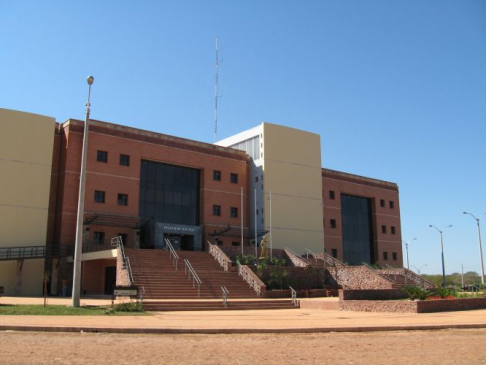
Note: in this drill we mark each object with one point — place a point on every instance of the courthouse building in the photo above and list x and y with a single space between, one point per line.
147 187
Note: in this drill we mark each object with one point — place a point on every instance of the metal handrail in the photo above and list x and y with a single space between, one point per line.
118 243
414 278
246 274
331 260
225 296
294 296
172 253
394 271
307 251
195 278
222 259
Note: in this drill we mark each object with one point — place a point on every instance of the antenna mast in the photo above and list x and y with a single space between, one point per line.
216 95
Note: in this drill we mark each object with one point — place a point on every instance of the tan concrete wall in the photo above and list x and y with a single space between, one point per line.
26 147
292 171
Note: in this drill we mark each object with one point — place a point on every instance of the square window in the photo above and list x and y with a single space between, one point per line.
392 230
234 212
99 238
124 160
256 178
332 195
383 229
333 223
395 256
234 178
385 256
122 199
217 175
102 156
234 243
99 196
392 204
382 203
219 243
334 253
217 210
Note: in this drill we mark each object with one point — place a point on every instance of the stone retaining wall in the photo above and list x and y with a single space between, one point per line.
372 294
421 306
358 277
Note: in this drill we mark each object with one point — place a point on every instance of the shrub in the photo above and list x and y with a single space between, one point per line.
445 292
278 277
415 292
128 307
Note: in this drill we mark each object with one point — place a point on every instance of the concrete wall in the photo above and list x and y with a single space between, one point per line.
292 172
26 148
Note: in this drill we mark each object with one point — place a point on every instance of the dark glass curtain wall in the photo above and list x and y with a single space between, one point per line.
169 193
357 230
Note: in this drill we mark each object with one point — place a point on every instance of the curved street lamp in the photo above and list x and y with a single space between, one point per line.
442 248
406 246
78 251
419 268
480 247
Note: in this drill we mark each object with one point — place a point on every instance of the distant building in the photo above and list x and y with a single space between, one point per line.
147 187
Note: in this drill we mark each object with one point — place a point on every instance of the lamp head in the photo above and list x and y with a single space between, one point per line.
465 213
430 225
90 80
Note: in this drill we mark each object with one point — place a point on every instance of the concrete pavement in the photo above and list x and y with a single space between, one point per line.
251 321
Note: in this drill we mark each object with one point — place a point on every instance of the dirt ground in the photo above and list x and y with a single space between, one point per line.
404 347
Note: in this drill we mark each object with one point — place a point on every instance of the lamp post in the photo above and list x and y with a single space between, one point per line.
442 249
406 247
480 247
78 248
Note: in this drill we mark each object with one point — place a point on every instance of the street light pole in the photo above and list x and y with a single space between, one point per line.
78 248
480 246
442 249
406 247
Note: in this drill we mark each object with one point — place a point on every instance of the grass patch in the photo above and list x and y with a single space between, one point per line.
62 310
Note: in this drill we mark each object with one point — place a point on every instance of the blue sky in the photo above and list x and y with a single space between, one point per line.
396 89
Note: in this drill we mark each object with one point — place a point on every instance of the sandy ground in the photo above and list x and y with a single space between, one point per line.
403 347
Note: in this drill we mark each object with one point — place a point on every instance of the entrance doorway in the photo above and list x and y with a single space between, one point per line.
181 242
110 279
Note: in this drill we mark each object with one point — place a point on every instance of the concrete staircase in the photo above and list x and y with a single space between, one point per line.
169 289
210 305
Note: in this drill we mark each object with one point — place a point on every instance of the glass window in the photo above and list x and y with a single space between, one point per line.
334 253
234 243
382 203
333 223
393 230
234 178
169 193
102 156
99 238
395 256
99 196
392 204
357 229
125 160
385 256
332 195
216 175
217 210
234 212
122 199
383 229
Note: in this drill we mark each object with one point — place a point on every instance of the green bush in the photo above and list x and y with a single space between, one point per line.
128 307
246 259
278 278
445 292
415 292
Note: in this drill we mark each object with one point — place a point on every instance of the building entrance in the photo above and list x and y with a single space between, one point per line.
181 242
